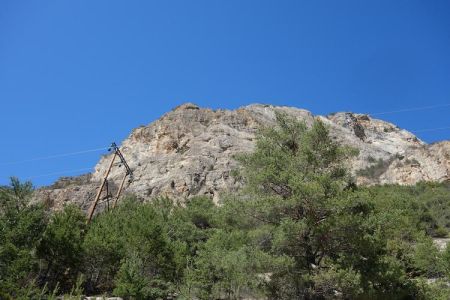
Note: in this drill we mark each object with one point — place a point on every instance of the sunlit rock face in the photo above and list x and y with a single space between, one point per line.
189 151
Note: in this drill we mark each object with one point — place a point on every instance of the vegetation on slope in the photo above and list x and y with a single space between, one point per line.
300 229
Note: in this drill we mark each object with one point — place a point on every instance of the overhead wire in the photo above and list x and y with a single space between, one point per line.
410 109
59 173
56 156
430 129
151 160
53 156
104 148
416 109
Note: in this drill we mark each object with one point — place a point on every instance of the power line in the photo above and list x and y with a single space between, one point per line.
53 156
59 173
417 109
152 159
371 114
430 129
410 109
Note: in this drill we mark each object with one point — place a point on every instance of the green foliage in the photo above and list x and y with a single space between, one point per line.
77 290
296 184
441 232
446 262
336 281
226 266
424 205
427 259
299 229
21 225
16 196
134 282
60 248
342 241
126 245
376 169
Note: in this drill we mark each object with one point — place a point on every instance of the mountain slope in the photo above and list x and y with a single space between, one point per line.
189 151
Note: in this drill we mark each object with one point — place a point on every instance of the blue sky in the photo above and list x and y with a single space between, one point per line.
76 75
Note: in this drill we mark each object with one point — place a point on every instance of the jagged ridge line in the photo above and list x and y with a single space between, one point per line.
371 114
167 159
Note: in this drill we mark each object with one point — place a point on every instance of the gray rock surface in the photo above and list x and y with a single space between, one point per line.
189 151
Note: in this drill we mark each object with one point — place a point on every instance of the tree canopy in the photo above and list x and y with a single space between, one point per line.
299 229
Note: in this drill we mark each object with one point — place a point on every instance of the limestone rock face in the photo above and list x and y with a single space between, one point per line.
189 151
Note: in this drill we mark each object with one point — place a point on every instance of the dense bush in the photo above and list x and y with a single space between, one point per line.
60 249
21 227
300 229
126 246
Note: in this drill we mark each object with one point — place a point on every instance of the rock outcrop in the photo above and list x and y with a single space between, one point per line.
189 151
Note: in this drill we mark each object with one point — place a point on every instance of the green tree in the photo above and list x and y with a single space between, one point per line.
136 280
16 196
294 179
61 248
303 203
21 226
127 247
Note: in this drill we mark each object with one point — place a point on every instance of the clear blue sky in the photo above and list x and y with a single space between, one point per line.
76 75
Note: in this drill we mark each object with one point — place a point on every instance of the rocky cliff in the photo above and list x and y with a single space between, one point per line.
189 151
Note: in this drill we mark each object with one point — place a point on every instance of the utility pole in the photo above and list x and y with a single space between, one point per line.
120 190
105 179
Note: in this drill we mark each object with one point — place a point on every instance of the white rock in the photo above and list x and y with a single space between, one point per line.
189 151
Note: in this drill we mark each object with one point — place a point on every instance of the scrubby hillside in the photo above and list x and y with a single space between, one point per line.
299 228
189 151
